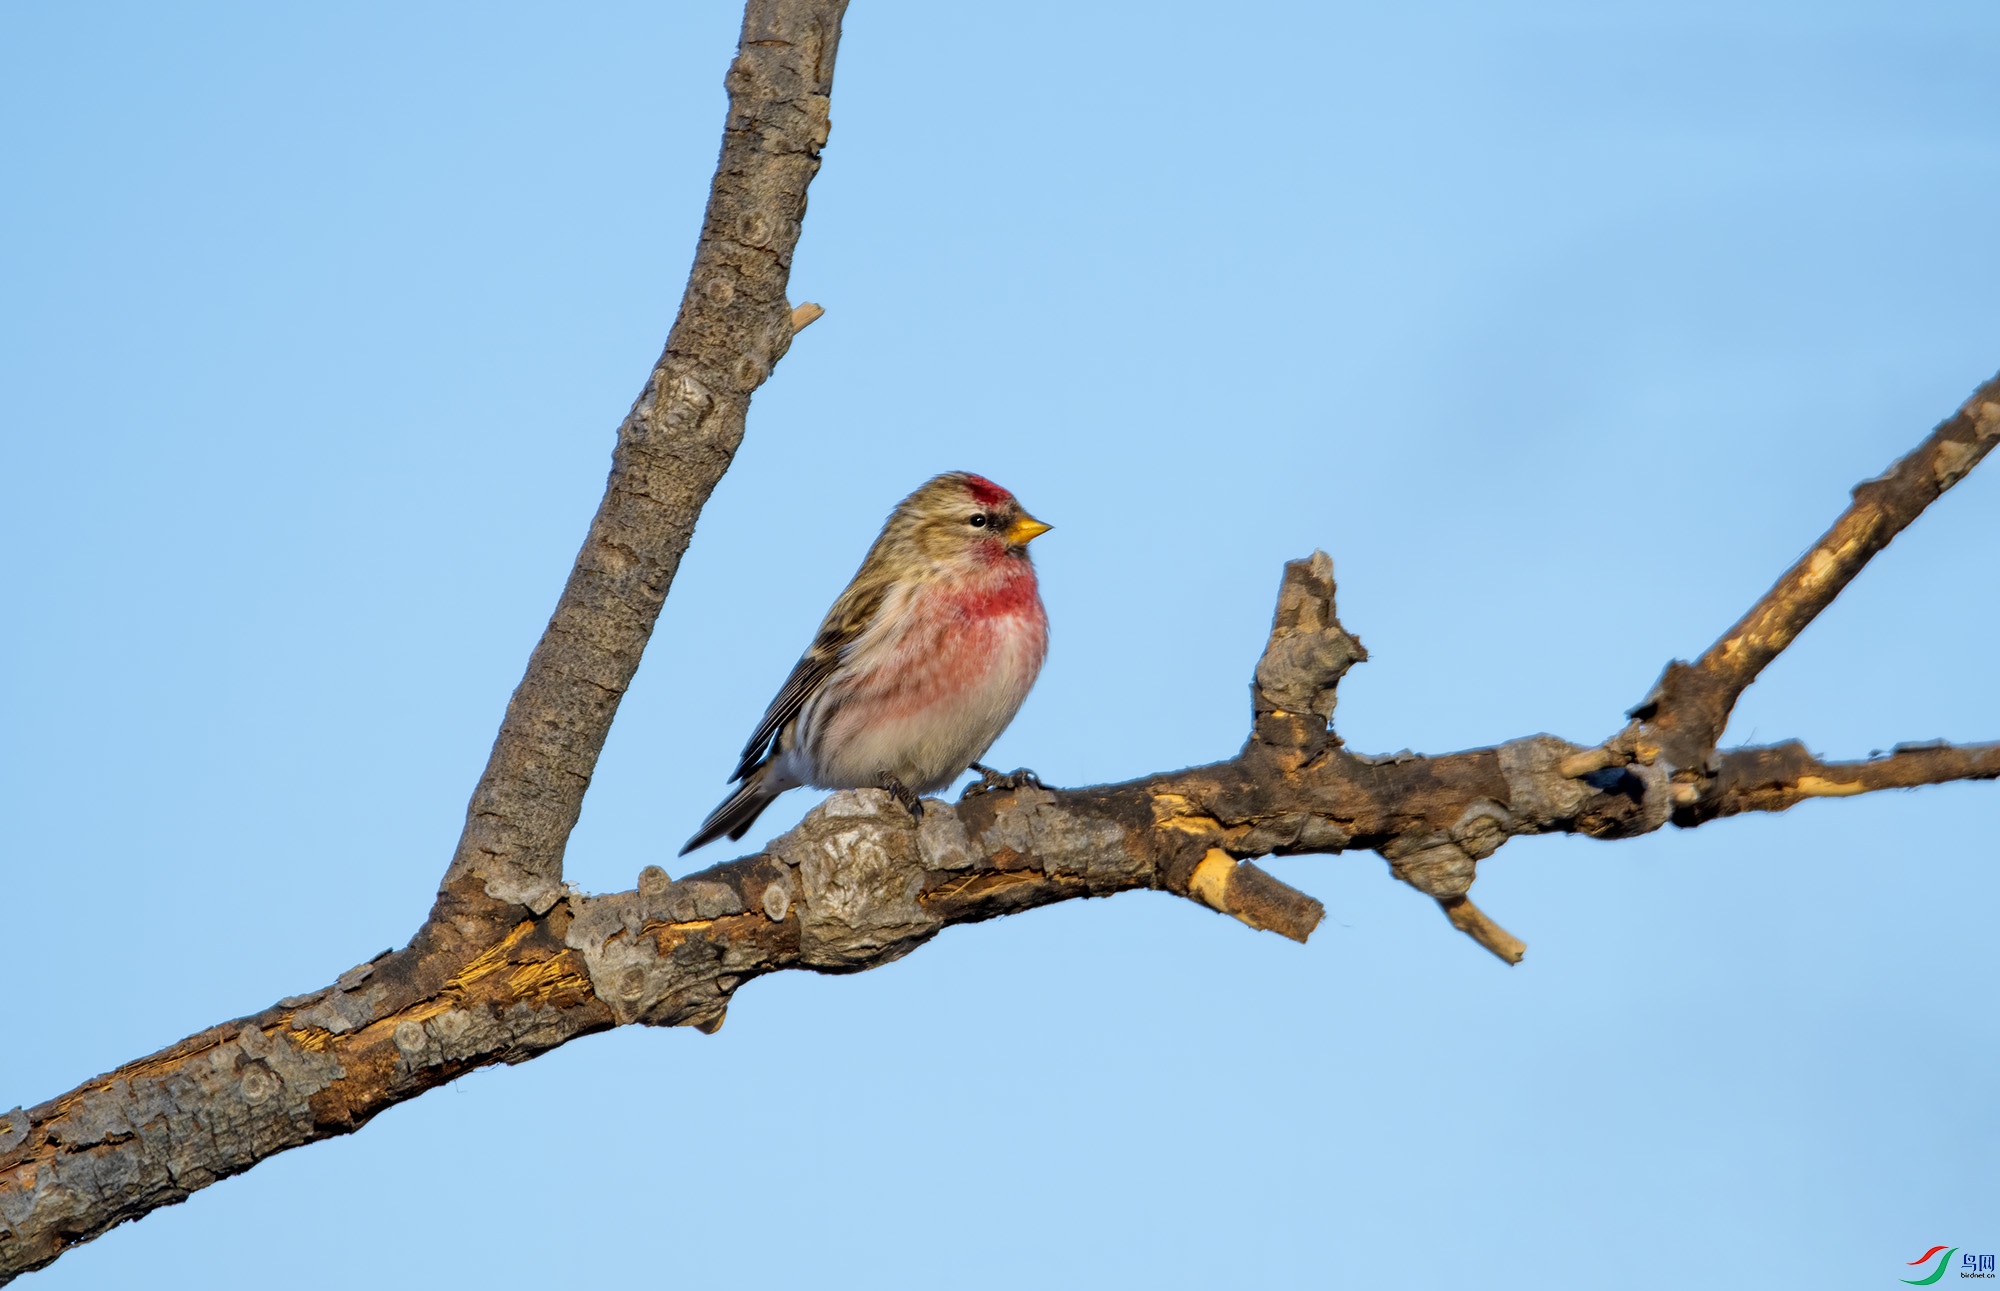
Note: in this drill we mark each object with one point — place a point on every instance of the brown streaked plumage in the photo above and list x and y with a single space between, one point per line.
920 664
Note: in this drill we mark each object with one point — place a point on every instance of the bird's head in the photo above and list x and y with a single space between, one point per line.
960 517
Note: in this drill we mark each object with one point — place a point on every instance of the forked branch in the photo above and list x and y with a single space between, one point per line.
512 963
1686 713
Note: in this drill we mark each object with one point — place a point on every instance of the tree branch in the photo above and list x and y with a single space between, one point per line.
857 884
1778 776
511 963
487 978
1688 709
735 323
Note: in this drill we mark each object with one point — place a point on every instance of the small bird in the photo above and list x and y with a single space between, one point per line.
917 668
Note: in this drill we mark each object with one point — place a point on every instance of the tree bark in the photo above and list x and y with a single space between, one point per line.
511 963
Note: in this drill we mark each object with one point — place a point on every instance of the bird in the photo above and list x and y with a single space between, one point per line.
916 669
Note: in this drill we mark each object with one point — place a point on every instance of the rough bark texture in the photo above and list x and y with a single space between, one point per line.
1682 719
488 977
511 963
735 323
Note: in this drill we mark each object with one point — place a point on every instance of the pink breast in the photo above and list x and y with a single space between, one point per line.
954 642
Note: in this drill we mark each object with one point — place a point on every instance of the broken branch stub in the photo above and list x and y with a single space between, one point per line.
1306 656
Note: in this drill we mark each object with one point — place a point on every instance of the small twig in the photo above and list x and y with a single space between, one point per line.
1472 921
804 316
1578 765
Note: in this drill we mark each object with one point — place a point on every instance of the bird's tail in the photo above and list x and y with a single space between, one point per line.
738 811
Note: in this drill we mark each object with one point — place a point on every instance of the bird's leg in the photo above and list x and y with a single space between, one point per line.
990 780
902 795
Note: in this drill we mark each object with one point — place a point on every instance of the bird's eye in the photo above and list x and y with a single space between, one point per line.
977 522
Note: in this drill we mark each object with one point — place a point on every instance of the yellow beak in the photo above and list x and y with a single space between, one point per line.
1026 530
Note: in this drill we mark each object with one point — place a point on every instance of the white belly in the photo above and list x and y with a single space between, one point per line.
927 712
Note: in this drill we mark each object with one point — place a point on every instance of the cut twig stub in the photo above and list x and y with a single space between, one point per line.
1242 891
1472 921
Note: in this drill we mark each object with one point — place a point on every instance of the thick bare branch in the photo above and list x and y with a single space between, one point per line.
735 323
487 978
857 884
155 1131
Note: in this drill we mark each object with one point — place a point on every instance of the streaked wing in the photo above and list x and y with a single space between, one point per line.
810 673
844 624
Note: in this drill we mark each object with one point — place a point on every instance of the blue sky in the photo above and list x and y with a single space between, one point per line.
1564 328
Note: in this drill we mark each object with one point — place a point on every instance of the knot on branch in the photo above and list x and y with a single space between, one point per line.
1440 869
1293 695
672 953
1680 719
13 1129
1542 774
860 864
1609 791
1442 864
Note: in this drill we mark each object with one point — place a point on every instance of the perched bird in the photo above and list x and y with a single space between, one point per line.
918 666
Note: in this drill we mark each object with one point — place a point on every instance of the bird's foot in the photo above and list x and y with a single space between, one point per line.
914 804
991 780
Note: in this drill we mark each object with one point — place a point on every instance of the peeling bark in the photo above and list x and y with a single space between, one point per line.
512 963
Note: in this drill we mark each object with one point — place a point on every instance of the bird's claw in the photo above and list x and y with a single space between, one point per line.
914 804
991 781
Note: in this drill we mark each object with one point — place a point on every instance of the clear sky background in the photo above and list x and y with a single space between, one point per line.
1564 328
